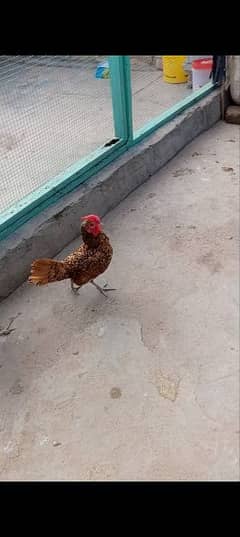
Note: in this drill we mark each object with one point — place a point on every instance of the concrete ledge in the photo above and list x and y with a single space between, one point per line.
48 233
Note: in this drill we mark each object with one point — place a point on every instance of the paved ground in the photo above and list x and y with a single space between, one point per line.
54 112
143 385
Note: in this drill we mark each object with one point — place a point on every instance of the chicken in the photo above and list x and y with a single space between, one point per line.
83 265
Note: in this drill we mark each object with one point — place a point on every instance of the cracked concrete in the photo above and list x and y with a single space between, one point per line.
143 385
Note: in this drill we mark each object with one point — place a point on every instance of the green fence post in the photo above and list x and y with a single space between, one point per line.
121 96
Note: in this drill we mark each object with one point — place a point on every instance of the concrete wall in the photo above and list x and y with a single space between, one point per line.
54 228
234 72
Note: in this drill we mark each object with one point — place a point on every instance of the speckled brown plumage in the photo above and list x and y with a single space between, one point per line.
87 262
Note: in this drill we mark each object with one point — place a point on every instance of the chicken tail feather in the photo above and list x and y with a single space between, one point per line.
45 271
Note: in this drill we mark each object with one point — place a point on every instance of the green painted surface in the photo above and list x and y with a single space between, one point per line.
121 96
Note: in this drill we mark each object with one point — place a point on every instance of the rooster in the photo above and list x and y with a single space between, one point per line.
83 265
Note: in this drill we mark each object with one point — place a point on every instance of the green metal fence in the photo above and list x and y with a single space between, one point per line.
118 132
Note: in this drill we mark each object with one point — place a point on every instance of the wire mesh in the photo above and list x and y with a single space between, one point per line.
151 95
54 111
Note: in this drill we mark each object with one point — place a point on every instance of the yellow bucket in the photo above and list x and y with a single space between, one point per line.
173 71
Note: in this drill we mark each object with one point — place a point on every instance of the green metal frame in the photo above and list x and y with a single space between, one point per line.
121 96
81 171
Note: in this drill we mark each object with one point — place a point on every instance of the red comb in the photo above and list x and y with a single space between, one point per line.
91 218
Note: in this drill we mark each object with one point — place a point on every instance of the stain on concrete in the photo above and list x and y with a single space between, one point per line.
17 388
227 169
115 393
11 449
167 388
80 375
210 262
183 171
151 195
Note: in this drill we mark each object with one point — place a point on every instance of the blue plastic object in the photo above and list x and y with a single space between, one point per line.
103 70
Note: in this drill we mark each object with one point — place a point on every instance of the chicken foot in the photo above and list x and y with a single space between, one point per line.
103 289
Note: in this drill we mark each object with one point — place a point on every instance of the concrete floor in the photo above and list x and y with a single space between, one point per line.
55 112
143 385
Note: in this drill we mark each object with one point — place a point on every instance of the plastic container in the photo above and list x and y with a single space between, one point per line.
173 71
187 66
102 70
201 70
